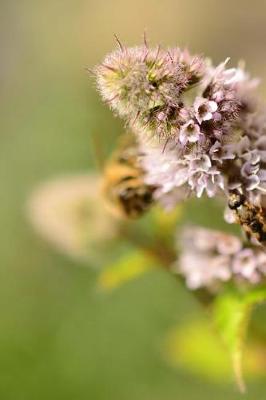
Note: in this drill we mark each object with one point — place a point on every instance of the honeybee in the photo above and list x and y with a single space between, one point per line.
252 218
124 189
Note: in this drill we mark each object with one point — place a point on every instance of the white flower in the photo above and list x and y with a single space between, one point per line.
244 263
201 163
204 109
189 132
221 267
200 262
201 270
166 170
209 257
261 260
219 152
202 240
229 77
209 180
227 244
250 170
234 76
206 240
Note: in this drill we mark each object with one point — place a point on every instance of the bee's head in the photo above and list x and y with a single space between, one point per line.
236 199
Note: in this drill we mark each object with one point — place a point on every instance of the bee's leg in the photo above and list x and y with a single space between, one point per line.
248 235
262 237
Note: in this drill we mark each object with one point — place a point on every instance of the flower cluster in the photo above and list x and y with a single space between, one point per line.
215 150
199 127
209 258
144 86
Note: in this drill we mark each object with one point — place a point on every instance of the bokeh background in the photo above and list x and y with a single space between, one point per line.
60 338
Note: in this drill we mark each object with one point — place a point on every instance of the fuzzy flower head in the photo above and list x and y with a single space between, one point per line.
144 85
209 258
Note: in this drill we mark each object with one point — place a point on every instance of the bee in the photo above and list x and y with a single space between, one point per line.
250 216
125 191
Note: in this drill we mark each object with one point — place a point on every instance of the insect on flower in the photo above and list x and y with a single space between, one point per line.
252 218
124 189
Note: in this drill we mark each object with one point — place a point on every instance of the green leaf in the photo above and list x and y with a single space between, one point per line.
196 347
128 267
231 313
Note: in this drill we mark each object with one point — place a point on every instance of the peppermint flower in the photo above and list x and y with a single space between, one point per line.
196 261
208 140
244 263
250 170
220 153
189 132
203 176
210 181
165 166
204 109
175 172
210 258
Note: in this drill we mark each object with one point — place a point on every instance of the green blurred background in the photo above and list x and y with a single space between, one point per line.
59 337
